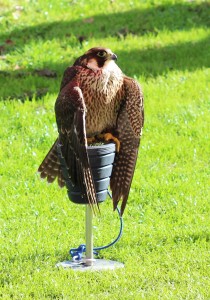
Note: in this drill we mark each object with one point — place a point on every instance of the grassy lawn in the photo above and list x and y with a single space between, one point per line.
165 245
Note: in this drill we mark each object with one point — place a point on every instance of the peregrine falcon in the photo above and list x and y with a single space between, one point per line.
96 101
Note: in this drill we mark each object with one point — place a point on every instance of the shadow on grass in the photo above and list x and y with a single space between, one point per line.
138 22
149 62
183 56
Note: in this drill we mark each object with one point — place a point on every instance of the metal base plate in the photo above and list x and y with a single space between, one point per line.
97 265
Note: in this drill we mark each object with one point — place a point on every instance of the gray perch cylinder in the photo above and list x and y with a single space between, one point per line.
101 161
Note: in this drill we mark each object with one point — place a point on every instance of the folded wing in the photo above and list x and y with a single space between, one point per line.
129 128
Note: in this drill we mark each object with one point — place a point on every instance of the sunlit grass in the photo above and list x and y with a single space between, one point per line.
165 244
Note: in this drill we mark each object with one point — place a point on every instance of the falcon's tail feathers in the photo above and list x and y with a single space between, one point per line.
50 167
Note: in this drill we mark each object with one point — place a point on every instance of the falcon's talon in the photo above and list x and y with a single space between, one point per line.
109 137
91 140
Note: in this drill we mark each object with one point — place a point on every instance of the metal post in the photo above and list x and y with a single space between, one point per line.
89 236
89 263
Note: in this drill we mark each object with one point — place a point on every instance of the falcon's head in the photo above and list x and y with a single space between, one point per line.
97 58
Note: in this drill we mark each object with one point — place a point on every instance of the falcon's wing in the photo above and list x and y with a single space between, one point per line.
70 116
129 127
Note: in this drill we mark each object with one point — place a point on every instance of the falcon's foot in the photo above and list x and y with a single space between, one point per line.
109 137
91 140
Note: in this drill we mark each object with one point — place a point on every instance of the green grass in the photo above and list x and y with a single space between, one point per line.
165 244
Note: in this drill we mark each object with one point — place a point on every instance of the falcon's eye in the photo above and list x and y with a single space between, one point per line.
101 53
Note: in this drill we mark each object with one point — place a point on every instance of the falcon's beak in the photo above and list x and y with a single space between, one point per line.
114 56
